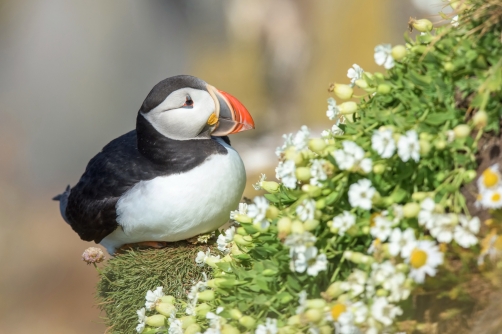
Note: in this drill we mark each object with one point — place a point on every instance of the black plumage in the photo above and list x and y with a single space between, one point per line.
139 155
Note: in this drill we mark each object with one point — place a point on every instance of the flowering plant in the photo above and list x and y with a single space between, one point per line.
374 212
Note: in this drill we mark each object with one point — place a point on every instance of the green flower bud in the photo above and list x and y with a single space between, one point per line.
419 49
243 218
310 224
343 91
247 322
165 308
212 261
326 329
284 227
272 212
411 210
215 282
187 321
459 5
313 315
448 66
480 119
462 131
312 191
361 83
365 230
317 145
419 196
334 290
202 309
270 186
241 230
384 89
235 314
370 90
469 176
243 240
156 320
399 52
440 144
291 154
316 303
206 295
425 147
382 293
379 76
168 299
320 204
378 169
348 107
193 329
297 227
229 329
303 173
402 267
286 330
294 320
422 25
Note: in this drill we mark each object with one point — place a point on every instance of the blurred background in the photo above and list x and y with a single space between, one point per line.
73 75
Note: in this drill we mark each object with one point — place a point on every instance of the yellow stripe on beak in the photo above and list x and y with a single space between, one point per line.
213 119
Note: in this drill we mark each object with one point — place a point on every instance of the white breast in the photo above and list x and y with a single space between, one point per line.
180 206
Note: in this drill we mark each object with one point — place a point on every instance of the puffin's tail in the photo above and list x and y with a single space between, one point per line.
63 201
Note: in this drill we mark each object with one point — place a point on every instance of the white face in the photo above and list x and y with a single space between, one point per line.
176 121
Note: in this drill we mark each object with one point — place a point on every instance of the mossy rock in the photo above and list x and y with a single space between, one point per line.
125 279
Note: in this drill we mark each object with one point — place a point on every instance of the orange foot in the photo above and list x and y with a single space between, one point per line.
144 244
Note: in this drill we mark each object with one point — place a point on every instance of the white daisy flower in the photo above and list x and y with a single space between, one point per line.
285 172
383 143
454 21
141 320
345 324
402 242
336 131
288 141
361 194
383 56
443 227
201 257
395 284
333 111
224 240
301 139
306 210
384 312
408 146
491 198
382 228
175 325
214 322
153 297
192 296
318 173
351 157
380 272
342 223
243 210
354 284
465 232
310 261
490 178
424 259
354 73
426 216
360 312
258 211
302 302
270 327
298 243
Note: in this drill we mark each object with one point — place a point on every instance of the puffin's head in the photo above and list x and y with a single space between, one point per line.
185 107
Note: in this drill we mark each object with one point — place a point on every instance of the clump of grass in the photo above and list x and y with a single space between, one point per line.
126 277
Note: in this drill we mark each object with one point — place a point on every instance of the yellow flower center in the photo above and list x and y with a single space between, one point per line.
418 258
337 310
490 178
496 197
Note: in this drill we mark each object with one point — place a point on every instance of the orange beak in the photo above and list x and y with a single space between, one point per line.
233 117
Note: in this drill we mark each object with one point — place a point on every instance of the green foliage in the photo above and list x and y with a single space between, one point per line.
126 277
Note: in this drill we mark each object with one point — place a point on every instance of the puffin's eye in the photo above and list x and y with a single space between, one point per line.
188 102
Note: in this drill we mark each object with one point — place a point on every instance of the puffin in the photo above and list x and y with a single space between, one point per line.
172 178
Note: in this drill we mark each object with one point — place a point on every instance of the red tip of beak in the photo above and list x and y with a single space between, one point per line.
242 116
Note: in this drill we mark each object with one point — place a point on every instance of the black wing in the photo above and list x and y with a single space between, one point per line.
91 204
